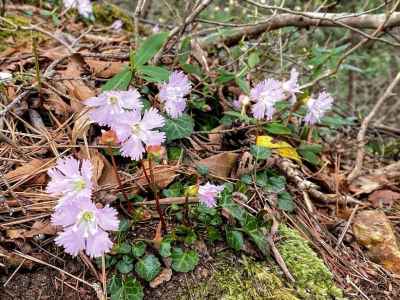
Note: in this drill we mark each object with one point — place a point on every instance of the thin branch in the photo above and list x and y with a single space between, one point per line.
363 129
182 27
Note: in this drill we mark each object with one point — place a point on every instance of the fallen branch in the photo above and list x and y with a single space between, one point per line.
306 20
294 175
364 126
166 201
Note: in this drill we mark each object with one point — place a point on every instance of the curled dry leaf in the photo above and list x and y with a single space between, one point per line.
216 138
81 126
164 276
97 160
220 165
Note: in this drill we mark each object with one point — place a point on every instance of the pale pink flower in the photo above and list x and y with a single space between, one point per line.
317 107
173 93
85 227
70 180
134 132
291 86
84 7
208 194
117 25
108 106
266 94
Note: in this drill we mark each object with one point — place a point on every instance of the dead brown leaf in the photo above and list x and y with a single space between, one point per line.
220 165
163 176
383 198
32 167
374 231
216 138
105 69
97 160
368 183
81 126
157 237
164 276
56 104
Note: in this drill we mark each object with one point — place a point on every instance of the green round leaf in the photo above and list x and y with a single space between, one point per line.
260 152
128 289
285 202
178 128
138 249
234 239
124 266
184 261
148 267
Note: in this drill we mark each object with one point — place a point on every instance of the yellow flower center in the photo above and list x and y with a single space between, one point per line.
136 129
79 184
88 216
113 99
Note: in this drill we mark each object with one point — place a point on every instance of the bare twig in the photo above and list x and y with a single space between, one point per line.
364 126
353 213
139 7
181 28
275 251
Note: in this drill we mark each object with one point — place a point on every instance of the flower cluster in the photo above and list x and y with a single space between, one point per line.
137 129
84 7
84 225
173 93
270 91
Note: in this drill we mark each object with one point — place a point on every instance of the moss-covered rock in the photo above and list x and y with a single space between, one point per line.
243 280
108 13
313 279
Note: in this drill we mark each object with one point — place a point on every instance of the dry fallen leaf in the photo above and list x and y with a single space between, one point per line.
27 169
105 69
220 165
97 160
81 126
383 198
163 176
368 183
164 276
374 231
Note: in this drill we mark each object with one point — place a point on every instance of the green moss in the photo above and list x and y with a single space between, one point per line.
244 280
108 13
8 30
313 279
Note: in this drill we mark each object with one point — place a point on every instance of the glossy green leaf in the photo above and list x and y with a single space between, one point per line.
234 239
149 48
285 202
119 82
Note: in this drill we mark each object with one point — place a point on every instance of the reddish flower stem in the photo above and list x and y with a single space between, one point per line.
156 195
114 164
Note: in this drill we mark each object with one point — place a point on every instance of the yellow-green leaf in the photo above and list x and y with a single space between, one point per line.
282 148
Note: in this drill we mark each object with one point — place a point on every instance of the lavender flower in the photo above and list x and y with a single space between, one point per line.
135 131
173 93
109 105
85 227
70 180
208 194
266 94
317 108
292 86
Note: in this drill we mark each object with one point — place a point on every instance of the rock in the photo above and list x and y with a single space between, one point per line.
164 276
374 231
